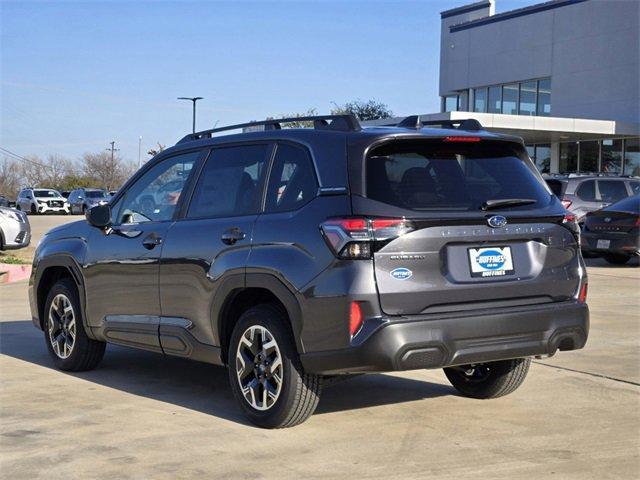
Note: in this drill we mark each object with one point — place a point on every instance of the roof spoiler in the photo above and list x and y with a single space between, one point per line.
342 123
414 121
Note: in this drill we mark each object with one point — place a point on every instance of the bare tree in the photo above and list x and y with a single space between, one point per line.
9 178
154 151
107 171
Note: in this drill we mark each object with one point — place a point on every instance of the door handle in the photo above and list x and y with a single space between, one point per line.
151 240
232 235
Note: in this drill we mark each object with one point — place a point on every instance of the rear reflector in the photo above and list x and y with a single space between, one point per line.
355 318
582 296
462 139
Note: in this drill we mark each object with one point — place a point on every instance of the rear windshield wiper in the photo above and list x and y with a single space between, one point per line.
506 202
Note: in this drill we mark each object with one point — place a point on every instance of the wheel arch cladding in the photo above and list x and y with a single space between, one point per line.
54 270
259 289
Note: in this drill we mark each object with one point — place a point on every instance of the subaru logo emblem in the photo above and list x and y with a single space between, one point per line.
607 219
497 221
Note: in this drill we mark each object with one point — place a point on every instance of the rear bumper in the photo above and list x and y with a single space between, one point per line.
628 244
419 342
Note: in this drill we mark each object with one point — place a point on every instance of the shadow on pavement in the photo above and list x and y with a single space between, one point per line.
202 387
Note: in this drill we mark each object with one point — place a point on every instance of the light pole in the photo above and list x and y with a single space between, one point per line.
139 151
194 100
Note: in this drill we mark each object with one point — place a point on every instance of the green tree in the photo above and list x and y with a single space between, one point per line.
364 110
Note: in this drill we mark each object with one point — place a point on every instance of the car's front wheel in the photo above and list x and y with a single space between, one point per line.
66 339
265 372
489 380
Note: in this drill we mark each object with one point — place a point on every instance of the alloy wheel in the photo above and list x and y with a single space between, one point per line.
62 326
259 367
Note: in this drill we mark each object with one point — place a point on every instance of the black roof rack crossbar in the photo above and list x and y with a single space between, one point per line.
344 123
414 121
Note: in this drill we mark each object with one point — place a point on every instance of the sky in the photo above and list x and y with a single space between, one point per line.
77 75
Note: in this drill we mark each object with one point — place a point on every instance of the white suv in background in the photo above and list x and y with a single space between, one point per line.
41 200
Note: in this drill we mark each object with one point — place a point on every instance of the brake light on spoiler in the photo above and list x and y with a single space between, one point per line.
461 139
359 238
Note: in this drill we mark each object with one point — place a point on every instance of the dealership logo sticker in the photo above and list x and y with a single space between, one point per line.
491 259
401 273
497 221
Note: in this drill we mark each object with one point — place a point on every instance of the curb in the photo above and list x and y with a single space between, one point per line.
14 273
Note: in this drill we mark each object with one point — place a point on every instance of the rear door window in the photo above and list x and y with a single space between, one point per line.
612 190
230 183
437 175
587 191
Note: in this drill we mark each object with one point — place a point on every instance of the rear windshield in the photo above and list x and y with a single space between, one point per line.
437 175
95 194
630 204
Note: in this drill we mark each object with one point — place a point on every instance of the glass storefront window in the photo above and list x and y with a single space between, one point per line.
611 156
495 100
568 157
589 153
543 158
463 101
632 156
451 103
544 97
510 99
528 95
480 100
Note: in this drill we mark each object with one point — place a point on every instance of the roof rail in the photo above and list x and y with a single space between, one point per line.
414 121
343 123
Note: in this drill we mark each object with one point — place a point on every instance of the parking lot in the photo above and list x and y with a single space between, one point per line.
140 415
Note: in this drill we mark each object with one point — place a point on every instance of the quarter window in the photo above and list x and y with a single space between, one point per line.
230 183
612 190
292 183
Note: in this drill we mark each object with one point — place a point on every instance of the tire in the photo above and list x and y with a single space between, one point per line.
80 354
616 258
297 394
84 210
489 380
33 209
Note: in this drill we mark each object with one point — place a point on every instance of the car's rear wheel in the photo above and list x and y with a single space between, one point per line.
66 339
617 258
489 380
265 371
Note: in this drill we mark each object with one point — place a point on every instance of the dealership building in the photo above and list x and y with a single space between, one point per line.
564 75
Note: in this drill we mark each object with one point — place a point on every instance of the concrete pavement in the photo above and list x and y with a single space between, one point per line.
141 416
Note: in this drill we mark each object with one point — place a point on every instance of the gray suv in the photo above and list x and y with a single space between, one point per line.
584 193
81 199
296 255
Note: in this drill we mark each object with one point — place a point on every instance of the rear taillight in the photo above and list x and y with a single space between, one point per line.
570 221
566 203
582 294
355 318
359 238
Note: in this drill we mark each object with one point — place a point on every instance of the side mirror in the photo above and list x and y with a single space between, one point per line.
99 216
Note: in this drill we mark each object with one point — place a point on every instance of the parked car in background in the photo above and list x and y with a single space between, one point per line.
584 193
293 254
4 201
15 231
41 200
614 231
65 193
82 199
